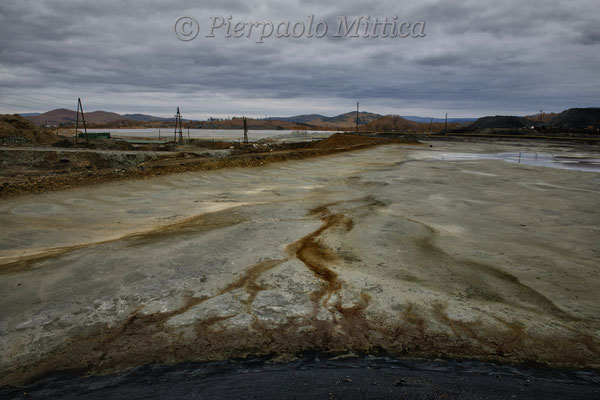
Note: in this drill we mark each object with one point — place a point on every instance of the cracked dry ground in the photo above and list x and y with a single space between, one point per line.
379 250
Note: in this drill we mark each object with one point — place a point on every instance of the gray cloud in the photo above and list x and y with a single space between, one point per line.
479 56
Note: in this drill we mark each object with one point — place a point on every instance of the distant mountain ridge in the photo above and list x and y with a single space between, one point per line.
342 121
578 118
426 120
62 116
146 118
573 119
299 119
308 118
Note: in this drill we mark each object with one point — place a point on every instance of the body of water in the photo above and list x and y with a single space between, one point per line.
536 159
219 134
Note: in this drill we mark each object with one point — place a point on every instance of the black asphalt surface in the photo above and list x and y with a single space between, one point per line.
320 377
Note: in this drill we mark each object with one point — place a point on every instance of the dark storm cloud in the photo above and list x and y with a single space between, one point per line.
478 57
589 34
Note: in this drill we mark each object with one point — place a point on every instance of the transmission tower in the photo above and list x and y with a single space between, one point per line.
178 127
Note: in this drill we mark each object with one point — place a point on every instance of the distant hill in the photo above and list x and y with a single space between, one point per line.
110 120
145 118
574 119
342 121
396 123
62 115
363 117
499 122
428 119
577 119
349 119
299 119
544 118
253 124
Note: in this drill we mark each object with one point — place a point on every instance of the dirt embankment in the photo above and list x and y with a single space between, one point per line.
16 130
29 171
341 140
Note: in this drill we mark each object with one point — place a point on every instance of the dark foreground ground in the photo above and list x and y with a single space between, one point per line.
319 377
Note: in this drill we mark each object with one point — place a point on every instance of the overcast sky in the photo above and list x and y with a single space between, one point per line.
479 57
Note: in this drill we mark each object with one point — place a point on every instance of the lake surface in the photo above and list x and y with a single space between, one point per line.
220 134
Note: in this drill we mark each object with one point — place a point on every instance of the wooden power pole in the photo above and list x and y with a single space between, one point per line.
446 126
357 117
245 132
80 107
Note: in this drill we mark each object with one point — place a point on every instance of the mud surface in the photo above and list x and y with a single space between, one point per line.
386 250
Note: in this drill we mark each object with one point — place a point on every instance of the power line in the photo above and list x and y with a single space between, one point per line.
38 93
14 105
45 102
27 100
190 111
62 98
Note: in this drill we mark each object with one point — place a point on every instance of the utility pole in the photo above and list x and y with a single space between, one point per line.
178 127
80 107
431 126
77 122
446 126
357 117
541 116
245 132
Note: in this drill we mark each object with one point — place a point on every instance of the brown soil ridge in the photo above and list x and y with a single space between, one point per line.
173 165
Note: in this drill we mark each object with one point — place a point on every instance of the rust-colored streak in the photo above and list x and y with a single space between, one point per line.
317 257
139 323
248 280
412 317
354 322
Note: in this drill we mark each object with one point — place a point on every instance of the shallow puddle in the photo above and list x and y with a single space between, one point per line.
587 164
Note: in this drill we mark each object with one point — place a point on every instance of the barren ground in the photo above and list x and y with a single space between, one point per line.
42 169
388 249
